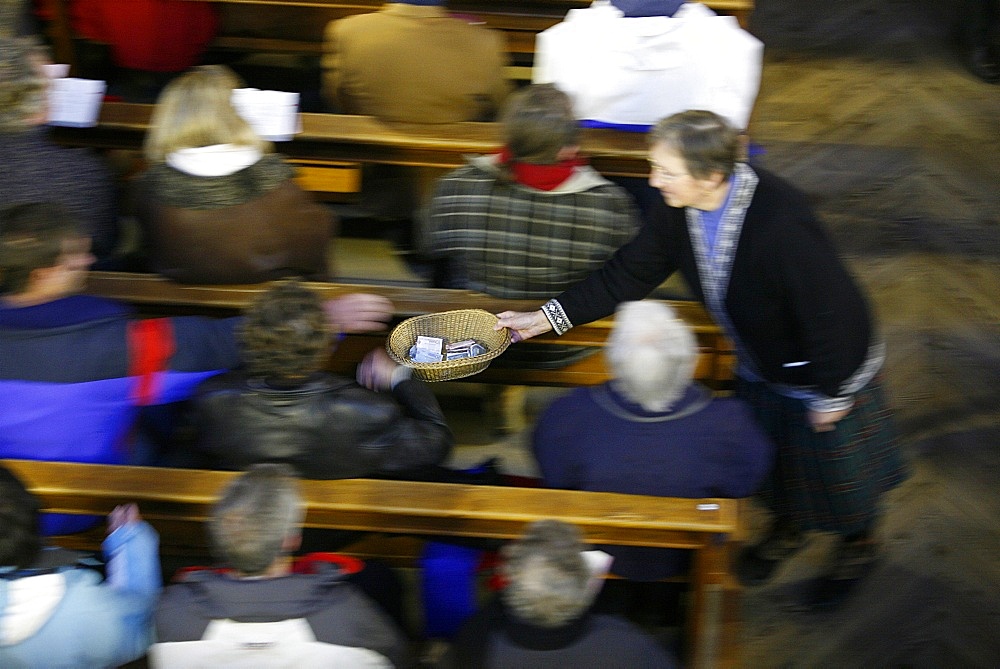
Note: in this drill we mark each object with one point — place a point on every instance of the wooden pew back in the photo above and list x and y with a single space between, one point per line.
172 498
365 139
153 295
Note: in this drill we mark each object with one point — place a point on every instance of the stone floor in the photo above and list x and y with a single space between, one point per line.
864 105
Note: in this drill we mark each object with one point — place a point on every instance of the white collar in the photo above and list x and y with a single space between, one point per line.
218 160
31 602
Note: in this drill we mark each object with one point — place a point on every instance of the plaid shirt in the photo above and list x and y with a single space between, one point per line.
516 242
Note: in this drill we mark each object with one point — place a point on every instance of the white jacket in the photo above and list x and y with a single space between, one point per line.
636 71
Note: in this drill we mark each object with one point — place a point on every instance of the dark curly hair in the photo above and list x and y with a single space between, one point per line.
285 335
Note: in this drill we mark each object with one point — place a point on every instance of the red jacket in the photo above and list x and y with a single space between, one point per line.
152 35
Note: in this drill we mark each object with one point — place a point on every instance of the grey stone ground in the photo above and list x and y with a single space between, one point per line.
864 105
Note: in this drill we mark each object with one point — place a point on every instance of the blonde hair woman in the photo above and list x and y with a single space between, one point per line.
196 112
217 204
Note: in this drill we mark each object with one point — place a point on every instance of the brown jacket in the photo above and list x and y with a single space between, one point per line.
414 64
266 232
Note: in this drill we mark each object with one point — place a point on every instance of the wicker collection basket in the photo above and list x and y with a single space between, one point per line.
452 326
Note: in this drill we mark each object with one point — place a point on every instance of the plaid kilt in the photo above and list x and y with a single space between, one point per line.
831 481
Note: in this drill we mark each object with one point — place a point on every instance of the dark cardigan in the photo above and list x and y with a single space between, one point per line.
790 298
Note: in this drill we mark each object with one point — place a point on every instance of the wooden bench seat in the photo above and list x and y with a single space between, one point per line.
365 139
178 501
154 295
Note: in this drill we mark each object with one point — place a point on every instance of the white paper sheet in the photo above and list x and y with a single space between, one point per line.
75 102
274 115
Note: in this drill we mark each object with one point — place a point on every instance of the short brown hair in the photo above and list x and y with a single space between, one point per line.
705 140
31 237
537 123
285 334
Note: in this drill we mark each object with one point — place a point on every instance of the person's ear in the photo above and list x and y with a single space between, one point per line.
42 275
716 179
568 153
292 543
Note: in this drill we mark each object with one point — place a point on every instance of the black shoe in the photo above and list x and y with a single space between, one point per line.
755 564
853 562
983 62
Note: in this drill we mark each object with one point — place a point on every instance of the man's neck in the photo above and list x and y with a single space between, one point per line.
280 567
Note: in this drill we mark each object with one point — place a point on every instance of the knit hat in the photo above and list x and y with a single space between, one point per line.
637 8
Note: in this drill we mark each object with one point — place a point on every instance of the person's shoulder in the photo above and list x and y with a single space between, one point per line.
272 168
358 29
480 168
622 639
86 594
729 408
81 577
233 382
346 395
777 190
478 171
73 310
565 407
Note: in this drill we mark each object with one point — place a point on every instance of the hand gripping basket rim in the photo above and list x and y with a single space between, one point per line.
474 323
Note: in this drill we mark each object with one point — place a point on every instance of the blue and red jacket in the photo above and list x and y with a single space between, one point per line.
74 372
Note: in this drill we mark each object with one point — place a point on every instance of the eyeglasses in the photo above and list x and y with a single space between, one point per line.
662 174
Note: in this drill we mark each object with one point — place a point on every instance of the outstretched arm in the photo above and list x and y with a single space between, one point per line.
358 312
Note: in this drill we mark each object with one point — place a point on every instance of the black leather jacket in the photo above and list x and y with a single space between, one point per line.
328 428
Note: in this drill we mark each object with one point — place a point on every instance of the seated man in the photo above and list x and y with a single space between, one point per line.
411 62
74 369
542 617
55 613
651 431
532 220
259 612
284 408
629 63
39 170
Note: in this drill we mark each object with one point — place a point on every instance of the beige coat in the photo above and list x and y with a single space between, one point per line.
414 64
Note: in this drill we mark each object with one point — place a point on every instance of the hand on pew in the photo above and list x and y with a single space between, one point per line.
122 515
358 312
523 324
378 371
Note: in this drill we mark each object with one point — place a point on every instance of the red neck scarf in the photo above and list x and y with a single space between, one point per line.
542 177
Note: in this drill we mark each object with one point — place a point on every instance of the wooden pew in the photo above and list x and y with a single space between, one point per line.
178 501
365 139
154 295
